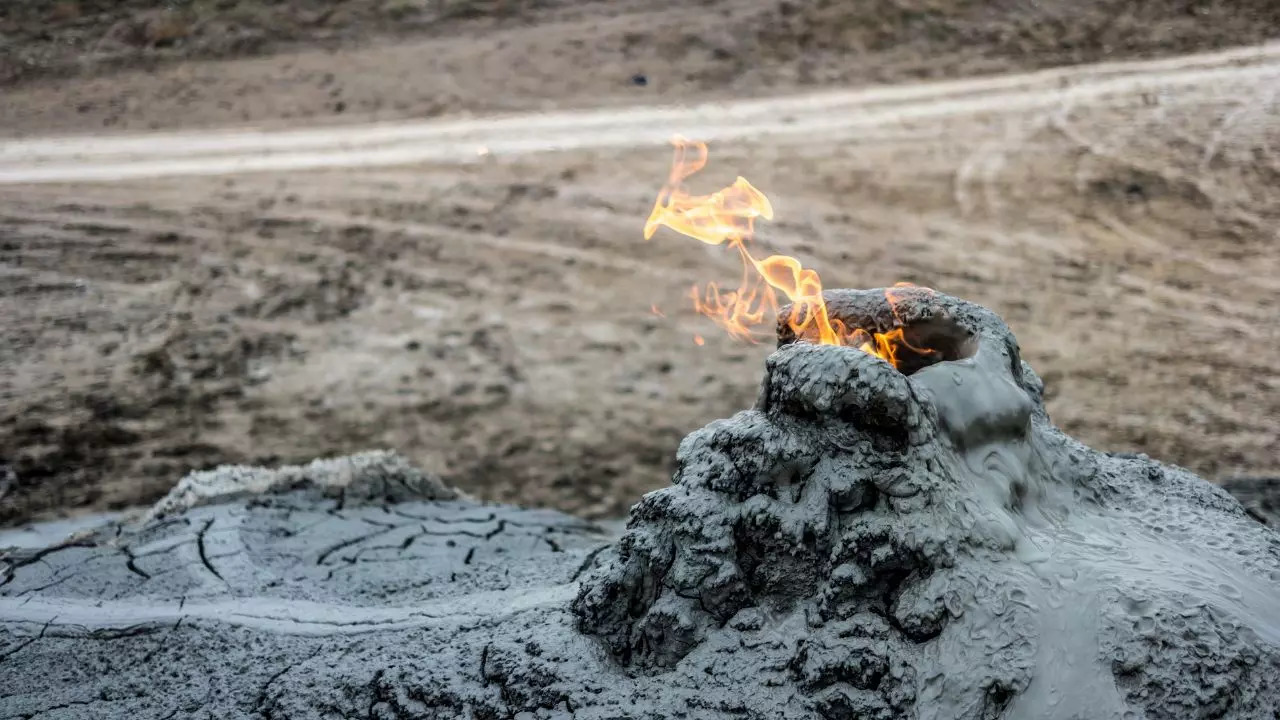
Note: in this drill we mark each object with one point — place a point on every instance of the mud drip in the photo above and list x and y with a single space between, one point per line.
864 543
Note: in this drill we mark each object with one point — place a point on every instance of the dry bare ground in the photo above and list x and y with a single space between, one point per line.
75 65
489 315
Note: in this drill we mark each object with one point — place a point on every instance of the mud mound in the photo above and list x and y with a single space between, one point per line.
931 546
365 478
866 542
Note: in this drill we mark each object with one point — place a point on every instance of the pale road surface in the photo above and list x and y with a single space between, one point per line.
827 114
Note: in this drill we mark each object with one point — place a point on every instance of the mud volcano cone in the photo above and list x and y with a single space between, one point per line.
876 542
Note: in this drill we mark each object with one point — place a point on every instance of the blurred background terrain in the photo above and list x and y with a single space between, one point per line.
492 318
287 60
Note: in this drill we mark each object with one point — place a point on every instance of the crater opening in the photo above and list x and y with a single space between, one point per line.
929 342
907 346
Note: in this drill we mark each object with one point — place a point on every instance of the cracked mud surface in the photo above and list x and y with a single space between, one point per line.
860 544
226 608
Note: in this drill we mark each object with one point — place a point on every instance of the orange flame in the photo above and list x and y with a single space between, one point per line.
728 218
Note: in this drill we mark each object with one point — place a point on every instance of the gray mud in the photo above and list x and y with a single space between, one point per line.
864 543
40 535
1260 497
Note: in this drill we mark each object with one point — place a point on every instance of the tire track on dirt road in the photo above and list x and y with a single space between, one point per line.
827 114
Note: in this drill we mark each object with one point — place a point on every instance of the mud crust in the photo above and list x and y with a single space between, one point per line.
284 605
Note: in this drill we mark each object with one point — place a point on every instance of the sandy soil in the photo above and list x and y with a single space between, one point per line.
490 316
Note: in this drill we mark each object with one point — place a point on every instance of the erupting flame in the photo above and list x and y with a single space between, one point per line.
728 218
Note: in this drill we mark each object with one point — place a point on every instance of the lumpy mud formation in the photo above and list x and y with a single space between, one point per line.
929 545
867 542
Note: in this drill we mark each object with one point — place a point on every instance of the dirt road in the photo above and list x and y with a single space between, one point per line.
475 293
829 116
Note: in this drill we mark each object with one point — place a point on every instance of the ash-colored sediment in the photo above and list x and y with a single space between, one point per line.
374 476
862 544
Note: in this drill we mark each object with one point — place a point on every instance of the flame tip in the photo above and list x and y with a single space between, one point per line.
727 217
